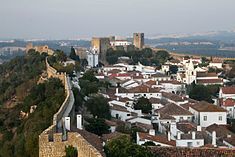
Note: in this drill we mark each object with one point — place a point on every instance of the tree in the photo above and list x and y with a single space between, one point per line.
97 126
162 56
143 104
173 69
99 107
90 76
123 146
73 55
71 151
60 56
200 92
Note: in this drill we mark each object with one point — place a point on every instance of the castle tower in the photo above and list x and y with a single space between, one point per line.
138 40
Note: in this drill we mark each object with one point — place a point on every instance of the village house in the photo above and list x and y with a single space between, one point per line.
206 114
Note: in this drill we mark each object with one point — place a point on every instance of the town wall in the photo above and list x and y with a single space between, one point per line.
52 142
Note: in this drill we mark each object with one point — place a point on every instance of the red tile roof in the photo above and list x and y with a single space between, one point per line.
202 81
228 102
228 90
160 139
203 106
173 110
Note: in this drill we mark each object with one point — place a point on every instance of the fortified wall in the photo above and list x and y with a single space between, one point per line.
53 140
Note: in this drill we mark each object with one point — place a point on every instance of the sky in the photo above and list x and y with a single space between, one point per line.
74 19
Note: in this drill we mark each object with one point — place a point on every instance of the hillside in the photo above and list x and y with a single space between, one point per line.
26 107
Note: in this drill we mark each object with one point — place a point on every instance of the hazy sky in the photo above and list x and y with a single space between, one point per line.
63 19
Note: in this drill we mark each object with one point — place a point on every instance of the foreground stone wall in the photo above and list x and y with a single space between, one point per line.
55 146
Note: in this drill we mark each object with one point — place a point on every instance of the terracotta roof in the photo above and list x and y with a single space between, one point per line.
114 71
187 105
221 130
173 97
143 126
160 139
171 81
228 102
143 89
119 108
202 81
159 75
186 127
155 100
205 74
173 110
203 106
166 117
189 136
151 82
228 90
230 140
110 123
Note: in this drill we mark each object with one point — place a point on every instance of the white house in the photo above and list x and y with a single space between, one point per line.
121 112
227 92
173 86
193 139
229 105
159 140
139 91
175 111
206 114
216 64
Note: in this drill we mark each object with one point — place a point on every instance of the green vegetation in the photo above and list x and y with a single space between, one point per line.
47 97
143 104
98 106
97 126
57 62
19 132
123 147
90 84
71 151
201 92
17 73
145 56
73 55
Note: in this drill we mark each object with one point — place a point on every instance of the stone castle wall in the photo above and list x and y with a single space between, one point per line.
55 146
52 143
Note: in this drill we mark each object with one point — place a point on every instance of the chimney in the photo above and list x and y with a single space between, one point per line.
67 123
168 135
116 90
199 128
178 136
193 135
214 138
117 98
152 132
79 121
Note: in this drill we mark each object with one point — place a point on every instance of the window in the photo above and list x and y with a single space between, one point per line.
205 118
220 118
181 118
